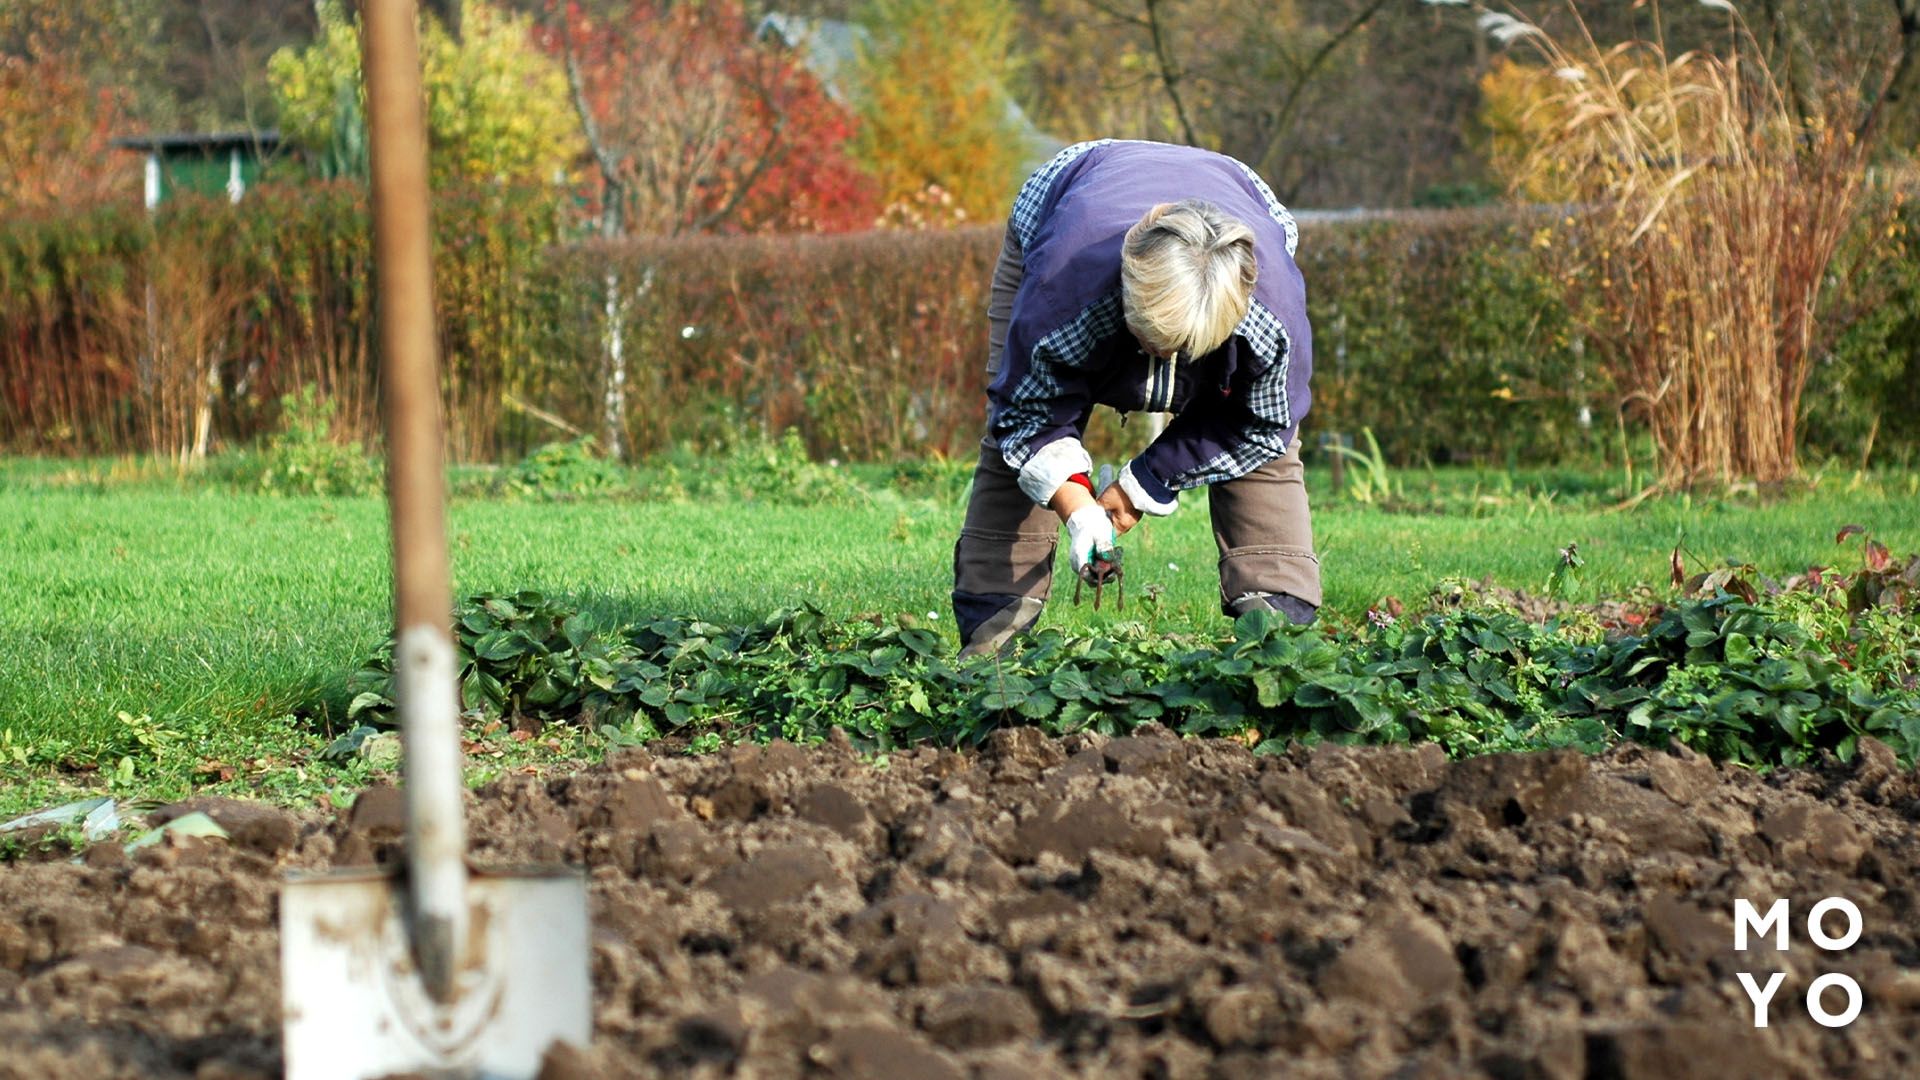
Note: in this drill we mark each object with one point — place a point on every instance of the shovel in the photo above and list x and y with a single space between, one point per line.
433 970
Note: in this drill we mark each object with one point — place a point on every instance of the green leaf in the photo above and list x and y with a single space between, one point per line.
1038 705
578 629
500 645
1740 651
1641 715
1070 684
1493 642
483 691
367 700
923 642
1267 689
1075 715
1910 732
1181 695
1371 713
1002 699
346 745
1256 625
543 693
194 824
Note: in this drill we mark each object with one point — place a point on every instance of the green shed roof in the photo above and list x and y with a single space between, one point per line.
200 142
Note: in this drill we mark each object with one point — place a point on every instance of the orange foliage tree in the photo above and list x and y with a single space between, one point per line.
54 131
695 126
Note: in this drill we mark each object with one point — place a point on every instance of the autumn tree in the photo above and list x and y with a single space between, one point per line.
59 106
1518 109
497 106
931 85
694 125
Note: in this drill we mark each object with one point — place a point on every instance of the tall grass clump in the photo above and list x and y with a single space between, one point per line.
1711 208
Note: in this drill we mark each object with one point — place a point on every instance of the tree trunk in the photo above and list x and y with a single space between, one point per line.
613 348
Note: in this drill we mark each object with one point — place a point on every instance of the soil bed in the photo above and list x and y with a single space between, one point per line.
1144 906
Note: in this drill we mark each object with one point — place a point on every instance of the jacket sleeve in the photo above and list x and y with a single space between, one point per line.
1220 437
1042 396
1039 399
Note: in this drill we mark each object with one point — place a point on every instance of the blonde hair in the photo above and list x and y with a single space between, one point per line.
1186 277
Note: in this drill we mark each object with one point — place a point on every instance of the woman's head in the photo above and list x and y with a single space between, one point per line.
1186 277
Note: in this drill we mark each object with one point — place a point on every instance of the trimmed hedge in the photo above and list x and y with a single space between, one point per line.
1439 331
871 345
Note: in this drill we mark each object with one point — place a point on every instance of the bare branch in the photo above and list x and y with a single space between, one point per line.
1116 14
1169 75
611 211
1902 89
1284 120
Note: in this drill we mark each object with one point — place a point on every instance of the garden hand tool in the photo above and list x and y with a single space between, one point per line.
1102 569
1092 553
432 969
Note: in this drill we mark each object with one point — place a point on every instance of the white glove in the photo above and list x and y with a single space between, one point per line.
1089 530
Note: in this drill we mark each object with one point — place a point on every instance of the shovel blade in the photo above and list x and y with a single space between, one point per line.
353 1004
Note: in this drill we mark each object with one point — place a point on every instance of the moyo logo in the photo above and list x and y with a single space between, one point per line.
1746 917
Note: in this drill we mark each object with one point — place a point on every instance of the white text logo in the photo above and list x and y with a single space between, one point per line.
1747 921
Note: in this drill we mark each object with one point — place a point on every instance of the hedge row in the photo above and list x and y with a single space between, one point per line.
121 331
1439 331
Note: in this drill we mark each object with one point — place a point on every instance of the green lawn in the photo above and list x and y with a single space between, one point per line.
222 613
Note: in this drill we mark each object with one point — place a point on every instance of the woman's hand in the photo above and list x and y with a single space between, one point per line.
1119 508
1089 538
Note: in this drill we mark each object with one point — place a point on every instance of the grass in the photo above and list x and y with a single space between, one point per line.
222 616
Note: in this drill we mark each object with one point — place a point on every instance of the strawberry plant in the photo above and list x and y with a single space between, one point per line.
1760 680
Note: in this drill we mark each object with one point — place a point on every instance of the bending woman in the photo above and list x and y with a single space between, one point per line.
1148 278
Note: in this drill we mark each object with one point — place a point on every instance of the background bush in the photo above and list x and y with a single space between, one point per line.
1440 331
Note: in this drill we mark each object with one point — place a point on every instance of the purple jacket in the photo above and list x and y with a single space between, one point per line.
1068 347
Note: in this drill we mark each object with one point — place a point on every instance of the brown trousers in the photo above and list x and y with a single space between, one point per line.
1003 562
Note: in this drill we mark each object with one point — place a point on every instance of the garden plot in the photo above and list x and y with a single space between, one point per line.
1086 906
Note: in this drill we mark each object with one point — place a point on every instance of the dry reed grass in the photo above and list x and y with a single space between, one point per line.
1715 208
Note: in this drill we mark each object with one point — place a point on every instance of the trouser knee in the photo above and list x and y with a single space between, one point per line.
991 623
1264 531
1003 561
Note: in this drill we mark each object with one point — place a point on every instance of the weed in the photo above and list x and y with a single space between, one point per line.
567 470
771 472
1565 578
304 457
1371 482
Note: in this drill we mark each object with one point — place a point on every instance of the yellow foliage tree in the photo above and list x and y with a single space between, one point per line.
1518 111
936 123
498 108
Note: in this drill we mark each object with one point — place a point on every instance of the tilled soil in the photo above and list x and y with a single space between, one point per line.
1145 906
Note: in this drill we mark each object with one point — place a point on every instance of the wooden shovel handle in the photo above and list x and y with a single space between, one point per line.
424 666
